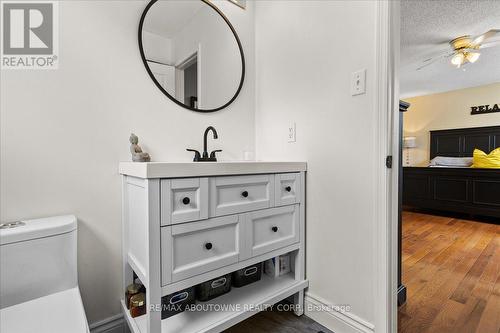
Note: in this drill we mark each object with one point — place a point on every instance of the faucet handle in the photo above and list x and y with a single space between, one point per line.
212 154
197 155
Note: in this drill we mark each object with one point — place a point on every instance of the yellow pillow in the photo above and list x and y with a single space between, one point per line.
483 160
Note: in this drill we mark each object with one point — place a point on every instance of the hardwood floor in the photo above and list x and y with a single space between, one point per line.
451 268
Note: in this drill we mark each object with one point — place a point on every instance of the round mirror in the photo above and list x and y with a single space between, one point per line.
192 53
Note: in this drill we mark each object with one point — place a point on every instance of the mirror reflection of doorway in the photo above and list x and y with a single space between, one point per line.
187 81
191 85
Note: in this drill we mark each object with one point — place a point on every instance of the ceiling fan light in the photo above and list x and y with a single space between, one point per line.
458 59
472 56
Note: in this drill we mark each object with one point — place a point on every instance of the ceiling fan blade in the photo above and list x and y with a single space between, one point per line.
470 50
491 44
430 61
481 38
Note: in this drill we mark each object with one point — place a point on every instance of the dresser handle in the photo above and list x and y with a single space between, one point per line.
250 271
288 189
179 298
186 201
275 229
218 283
244 194
208 246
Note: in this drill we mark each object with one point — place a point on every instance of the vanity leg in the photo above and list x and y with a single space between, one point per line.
298 301
299 262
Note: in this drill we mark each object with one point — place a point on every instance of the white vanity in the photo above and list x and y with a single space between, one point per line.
247 212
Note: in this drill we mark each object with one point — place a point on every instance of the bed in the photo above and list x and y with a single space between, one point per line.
453 189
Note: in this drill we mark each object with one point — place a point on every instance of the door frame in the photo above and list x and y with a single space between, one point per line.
387 144
179 75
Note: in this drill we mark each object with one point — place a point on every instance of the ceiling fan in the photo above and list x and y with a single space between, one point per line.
465 49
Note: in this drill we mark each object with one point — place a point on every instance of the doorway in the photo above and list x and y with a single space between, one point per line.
188 81
448 229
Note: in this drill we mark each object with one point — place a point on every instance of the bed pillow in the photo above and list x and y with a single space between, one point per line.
483 160
455 162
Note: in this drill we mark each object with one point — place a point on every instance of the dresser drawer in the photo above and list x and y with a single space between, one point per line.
184 200
287 189
231 195
193 248
271 229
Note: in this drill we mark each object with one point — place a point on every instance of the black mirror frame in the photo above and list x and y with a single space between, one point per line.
141 50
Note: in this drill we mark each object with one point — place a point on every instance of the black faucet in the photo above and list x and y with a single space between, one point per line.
205 157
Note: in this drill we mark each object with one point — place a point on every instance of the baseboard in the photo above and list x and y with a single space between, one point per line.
114 324
336 321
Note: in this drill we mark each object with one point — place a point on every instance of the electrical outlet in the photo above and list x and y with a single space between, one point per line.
358 82
292 133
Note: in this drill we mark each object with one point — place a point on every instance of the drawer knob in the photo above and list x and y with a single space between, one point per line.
186 201
288 189
275 229
208 246
244 194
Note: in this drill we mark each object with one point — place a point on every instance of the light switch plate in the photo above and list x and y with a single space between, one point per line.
292 132
358 82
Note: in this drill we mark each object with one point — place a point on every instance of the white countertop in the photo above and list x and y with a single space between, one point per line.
198 169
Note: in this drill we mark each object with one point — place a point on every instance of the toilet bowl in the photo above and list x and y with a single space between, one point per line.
38 277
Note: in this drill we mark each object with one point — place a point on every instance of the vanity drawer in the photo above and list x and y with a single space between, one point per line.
232 195
184 200
287 188
191 249
271 229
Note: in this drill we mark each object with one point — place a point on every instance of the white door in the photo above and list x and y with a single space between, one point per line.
165 75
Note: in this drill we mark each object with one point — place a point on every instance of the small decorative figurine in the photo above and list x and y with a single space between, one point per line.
137 154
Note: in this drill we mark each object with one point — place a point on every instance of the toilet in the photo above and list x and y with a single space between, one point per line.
38 277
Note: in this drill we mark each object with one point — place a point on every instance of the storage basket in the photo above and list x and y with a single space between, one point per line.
177 302
209 290
247 275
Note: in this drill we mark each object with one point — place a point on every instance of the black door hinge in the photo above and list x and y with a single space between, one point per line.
388 162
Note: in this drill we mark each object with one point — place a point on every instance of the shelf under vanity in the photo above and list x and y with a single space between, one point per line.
249 211
266 291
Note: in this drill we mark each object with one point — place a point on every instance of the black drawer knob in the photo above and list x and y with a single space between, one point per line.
244 194
186 201
208 246
288 189
275 229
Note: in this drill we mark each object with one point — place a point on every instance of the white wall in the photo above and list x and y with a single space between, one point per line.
157 48
63 132
306 51
446 111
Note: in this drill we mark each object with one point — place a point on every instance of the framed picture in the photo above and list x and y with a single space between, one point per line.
239 3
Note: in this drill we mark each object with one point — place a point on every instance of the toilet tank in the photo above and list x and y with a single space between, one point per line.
37 258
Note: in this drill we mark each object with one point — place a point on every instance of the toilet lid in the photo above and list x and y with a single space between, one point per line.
56 313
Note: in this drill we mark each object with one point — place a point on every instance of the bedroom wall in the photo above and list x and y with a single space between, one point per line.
303 78
64 131
446 111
